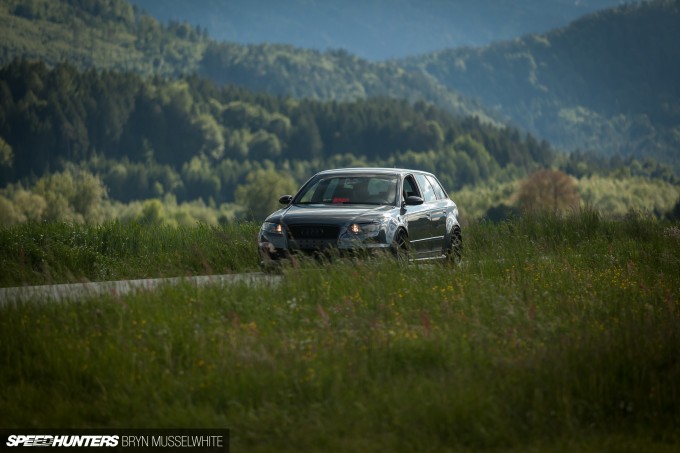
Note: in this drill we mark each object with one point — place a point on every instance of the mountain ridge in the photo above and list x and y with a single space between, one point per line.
605 82
114 35
541 83
374 29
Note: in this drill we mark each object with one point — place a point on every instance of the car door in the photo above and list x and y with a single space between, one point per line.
439 215
417 219
436 214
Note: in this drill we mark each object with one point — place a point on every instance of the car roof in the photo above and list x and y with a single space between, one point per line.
371 170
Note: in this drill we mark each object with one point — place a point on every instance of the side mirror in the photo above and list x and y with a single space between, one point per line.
286 199
413 201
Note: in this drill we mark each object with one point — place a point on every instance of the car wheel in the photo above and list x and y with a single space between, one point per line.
455 249
401 247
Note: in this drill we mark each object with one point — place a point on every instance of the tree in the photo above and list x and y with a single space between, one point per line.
73 195
8 213
201 178
264 145
29 206
153 212
306 140
6 154
260 195
211 136
548 191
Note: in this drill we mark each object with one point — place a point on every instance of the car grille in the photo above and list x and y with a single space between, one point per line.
313 237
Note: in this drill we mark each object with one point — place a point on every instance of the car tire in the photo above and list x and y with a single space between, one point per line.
454 251
401 247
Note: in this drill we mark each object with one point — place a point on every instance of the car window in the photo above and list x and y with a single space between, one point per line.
319 191
410 187
363 189
378 186
380 190
438 190
428 191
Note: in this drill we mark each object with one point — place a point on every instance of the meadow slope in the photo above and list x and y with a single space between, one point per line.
555 334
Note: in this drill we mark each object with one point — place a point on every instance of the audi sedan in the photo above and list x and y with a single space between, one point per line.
406 213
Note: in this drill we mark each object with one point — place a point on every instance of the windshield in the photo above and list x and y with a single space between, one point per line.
363 189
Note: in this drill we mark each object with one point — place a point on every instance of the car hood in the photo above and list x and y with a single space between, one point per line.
329 214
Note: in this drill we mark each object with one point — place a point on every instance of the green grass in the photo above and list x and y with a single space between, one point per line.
555 335
45 253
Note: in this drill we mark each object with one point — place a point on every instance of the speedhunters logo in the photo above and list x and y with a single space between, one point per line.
36 440
213 440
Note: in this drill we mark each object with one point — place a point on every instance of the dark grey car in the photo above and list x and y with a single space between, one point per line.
404 212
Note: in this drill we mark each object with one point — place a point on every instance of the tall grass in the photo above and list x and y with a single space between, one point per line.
44 253
555 334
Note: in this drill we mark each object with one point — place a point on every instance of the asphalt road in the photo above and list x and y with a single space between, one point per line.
76 291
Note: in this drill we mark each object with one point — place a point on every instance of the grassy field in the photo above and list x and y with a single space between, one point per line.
554 335
44 253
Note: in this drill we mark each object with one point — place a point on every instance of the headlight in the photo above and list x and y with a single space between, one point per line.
364 229
272 228
369 234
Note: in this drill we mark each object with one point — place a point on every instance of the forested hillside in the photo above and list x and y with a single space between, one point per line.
98 34
604 84
114 35
101 105
607 82
373 29
194 139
